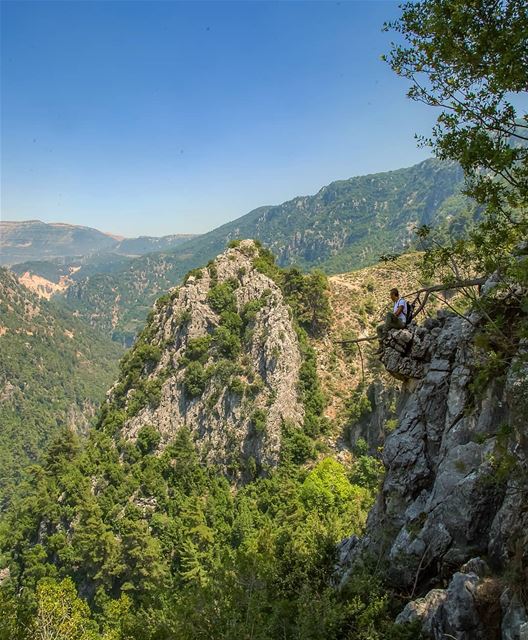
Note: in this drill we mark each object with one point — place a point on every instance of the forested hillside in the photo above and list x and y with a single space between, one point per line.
54 371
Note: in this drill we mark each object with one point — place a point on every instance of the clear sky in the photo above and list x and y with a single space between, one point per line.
166 117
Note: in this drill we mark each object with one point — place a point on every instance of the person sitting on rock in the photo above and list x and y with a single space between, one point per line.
395 319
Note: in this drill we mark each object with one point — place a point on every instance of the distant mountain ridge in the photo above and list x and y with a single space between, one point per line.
346 225
36 240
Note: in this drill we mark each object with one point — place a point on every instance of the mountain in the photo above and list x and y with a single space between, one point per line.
220 495
346 225
207 468
221 356
54 371
35 240
40 241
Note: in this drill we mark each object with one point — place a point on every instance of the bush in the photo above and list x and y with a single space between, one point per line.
258 419
197 348
327 487
148 439
226 343
231 321
194 379
297 447
237 386
221 298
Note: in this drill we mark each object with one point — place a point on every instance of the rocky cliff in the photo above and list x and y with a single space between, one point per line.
220 357
451 521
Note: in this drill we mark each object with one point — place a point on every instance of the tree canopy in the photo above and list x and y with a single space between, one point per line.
470 61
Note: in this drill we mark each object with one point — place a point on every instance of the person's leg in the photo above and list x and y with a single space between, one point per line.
384 328
393 322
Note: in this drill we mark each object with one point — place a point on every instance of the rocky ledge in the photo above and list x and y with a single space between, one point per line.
451 520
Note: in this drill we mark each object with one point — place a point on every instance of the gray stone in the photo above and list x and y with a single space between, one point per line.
423 609
514 616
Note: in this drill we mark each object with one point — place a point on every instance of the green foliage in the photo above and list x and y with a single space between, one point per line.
327 488
297 446
459 60
310 389
55 371
148 438
225 343
357 406
197 349
258 419
163 547
308 296
194 379
472 82
61 613
221 297
194 273
367 472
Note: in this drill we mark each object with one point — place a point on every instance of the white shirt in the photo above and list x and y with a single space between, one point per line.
403 315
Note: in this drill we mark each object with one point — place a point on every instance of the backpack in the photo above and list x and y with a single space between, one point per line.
410 313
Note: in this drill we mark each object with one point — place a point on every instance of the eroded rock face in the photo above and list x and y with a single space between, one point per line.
260 380
468 609
455 484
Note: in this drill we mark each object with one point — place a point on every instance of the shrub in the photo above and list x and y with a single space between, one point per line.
237 386
194 273
231 321
297 447
258 419
148 439
194 379
197 348
221 298
226 343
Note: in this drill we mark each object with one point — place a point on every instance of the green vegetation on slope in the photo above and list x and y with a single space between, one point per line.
54 371
159 546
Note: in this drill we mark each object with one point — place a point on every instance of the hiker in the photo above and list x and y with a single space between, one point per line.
395 319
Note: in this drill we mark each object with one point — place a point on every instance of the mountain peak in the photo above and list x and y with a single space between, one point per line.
220 357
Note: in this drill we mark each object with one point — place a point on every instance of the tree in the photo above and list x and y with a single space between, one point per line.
470 60
61 614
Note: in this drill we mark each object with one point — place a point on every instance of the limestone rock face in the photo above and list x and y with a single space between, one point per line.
468 609
248 392
455 484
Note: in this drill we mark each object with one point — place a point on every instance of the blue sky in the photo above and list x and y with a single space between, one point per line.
166 117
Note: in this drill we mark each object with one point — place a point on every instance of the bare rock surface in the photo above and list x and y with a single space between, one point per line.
454 487
261 379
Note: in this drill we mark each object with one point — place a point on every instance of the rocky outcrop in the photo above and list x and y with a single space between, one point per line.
455 486
468 608
246 367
